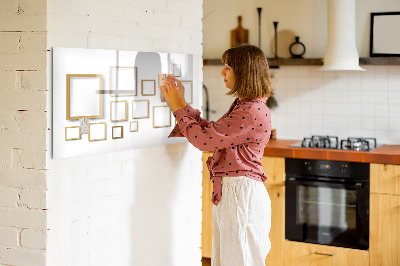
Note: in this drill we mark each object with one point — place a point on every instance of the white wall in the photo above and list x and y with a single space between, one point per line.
311 102
23 133
305 18
134 207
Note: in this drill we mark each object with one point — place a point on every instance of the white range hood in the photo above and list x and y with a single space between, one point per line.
341 51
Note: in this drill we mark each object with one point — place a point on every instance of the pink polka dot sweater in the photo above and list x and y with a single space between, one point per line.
238 139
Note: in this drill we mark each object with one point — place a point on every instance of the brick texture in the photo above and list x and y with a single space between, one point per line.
23 126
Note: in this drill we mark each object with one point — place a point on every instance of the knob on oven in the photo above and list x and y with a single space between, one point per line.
308 166
343 168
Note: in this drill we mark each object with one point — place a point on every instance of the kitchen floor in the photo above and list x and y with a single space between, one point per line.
206 261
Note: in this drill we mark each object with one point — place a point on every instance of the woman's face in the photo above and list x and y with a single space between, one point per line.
229 76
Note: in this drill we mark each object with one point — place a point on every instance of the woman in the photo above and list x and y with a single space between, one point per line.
242 208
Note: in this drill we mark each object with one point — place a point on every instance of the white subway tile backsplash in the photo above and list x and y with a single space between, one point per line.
368 122
329 109
292 83
381 136
394 123
394 110
382 123
394 97
380 71
367 96
381 97
355 109
352 102
394 83
380 84
394 136
381 110
367 110
291 71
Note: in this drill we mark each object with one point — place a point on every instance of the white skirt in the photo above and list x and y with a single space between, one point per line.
241 223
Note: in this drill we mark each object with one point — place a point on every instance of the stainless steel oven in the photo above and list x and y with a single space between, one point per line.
327 202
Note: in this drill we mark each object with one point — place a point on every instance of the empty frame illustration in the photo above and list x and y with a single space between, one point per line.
73 133
84 96
123 81
118 111
134 126
117 132
97 131
140 109
188 84
161 116
148 87
107 100
176 70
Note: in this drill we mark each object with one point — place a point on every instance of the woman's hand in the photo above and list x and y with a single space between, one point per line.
172 94
181 90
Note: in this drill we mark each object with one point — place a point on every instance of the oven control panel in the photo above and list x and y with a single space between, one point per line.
337 169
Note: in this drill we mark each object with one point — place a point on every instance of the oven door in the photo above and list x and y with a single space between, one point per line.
327 213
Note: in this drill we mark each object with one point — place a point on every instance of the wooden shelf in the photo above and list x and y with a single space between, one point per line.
273 63
380 61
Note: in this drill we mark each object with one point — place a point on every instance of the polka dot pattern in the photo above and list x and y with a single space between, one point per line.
238 139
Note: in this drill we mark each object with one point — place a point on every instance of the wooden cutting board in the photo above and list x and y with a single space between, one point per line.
239 35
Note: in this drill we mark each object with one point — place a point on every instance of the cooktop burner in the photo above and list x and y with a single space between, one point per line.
332 142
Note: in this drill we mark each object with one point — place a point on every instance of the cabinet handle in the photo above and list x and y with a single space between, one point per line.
325 254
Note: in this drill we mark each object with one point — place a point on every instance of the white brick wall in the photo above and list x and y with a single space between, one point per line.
135 207
23 126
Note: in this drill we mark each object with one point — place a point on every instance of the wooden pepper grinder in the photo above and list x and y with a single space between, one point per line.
239 35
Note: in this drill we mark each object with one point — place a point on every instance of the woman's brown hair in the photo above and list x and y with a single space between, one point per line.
250 66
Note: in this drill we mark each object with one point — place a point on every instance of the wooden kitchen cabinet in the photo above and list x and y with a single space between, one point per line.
385 178
384 236
305 254
206 225
274 168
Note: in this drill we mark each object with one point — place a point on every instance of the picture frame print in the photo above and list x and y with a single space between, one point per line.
117 132
123 81
134 126
161 116
118 111
383 40
148 87
84 96
73 133
140 109
97 131
188 84
176 70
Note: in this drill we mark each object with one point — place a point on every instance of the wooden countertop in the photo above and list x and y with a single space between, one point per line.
389 154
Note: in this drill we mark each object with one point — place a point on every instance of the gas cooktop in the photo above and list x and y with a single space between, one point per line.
332 142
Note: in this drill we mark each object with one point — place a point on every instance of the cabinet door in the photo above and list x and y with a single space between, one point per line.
305 254
277 233
385 178
206 226
384 229
274 168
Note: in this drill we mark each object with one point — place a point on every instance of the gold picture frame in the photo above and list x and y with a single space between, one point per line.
136 128
93 136
146 81
140 109
73 138
121 132
188 88
114 114
123 81
81 88
159 115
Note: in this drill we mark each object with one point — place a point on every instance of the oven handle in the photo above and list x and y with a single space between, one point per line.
357 185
